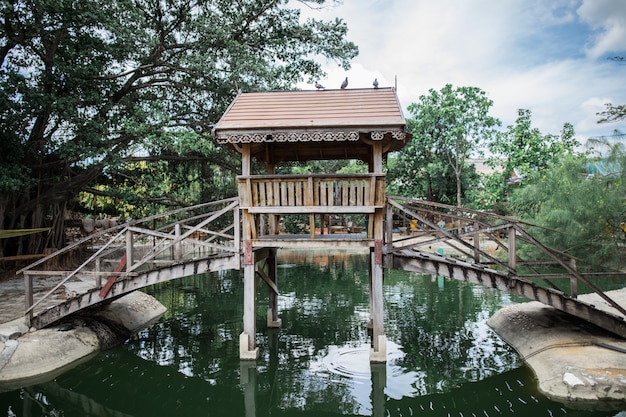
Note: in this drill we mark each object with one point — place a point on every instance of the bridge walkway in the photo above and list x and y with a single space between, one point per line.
481 248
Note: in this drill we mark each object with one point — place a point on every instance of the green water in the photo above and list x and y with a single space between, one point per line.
443 360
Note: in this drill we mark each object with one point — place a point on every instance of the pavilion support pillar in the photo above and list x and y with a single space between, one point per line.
378 353
272 311
247 342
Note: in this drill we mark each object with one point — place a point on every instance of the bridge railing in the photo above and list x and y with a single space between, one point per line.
488 239
319 193
177 236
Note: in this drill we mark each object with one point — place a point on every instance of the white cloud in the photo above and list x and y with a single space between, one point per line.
523 53
608 18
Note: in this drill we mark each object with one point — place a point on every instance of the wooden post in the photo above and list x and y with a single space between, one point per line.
476 241
377 157
129 249
512 249
98 276
247 342
389 227
262 230
237 230
246 161
272 312
178 251
28 298
573 281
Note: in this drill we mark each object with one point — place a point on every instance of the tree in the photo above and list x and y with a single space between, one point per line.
613 112
431 179
523 150
89 89
447 126
587 207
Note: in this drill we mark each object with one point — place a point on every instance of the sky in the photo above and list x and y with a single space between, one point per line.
548 56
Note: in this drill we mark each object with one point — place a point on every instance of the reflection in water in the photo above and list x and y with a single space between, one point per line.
443 360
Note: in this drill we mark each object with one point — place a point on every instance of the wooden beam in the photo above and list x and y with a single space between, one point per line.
314 209
268 281
246 159
120 266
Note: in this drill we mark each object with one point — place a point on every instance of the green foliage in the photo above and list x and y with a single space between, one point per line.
488 194
433 180
526 149
89 90
447 126
612 113
323 167
589 209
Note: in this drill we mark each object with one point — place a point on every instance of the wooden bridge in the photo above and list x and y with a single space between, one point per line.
207 238
245 232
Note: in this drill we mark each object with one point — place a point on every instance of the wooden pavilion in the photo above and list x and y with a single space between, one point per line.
284 126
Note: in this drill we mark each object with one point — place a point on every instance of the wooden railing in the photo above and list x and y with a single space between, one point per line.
183 235
469 234
282 194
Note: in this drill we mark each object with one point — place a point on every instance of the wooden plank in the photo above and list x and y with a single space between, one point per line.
255 194
120 266
270 193
248 193
308 192
298 192
291 198
23 257
268 281
314 209
284 198
145 279
331 193
276 193
306 243
28 298
345 194
353 192
323 193
316 192
380 191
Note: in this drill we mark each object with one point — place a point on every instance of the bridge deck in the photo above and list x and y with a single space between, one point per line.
207 238
600 313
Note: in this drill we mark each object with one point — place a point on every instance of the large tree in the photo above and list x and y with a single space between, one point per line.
90 89
583 197
448 126
522 150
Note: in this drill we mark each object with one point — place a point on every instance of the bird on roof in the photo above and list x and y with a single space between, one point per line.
344 84
375 83
319 86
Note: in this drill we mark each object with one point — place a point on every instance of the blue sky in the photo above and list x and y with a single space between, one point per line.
548 56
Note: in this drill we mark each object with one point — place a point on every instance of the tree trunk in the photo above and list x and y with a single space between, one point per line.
459 202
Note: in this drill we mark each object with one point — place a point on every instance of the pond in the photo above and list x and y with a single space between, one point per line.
443 359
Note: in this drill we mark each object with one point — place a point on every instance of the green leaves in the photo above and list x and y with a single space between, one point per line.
448 126
526 149
589 209
89 88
